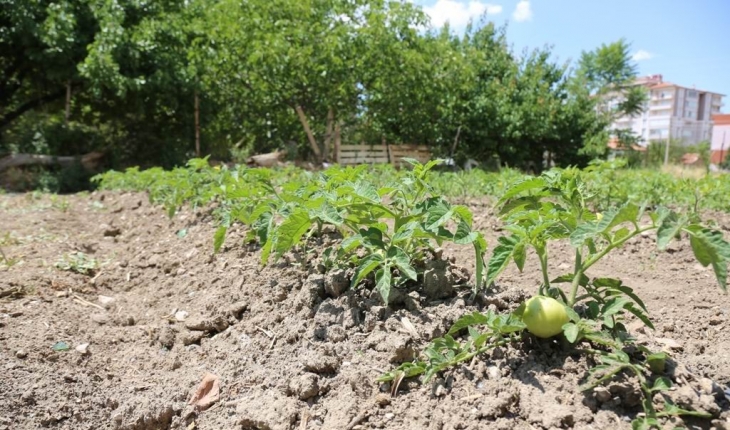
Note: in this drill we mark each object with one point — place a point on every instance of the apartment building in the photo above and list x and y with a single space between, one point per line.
720 138
673 112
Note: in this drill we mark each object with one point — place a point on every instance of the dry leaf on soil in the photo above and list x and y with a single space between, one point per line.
207 393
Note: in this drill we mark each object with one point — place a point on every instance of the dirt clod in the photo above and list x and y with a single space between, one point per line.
305 386
216 323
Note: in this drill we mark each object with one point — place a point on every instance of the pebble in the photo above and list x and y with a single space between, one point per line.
181 315
306 386
21 353
669 343
602 394
100 319
708 386
716 321
83 348
494 373
107 301
382 399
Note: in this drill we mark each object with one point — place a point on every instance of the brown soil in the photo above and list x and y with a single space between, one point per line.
288 355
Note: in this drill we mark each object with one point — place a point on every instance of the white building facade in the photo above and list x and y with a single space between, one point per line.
673 112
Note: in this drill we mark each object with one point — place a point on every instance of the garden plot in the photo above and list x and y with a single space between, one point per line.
127 344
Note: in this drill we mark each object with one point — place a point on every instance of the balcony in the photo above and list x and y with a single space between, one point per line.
660 108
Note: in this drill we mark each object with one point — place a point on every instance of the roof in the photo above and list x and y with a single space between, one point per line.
656 83
663 85
721 119
616 146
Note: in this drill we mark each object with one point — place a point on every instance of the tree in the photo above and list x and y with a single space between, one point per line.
607 75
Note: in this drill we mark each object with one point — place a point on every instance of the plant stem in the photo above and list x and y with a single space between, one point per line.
542 254
578 273
581 267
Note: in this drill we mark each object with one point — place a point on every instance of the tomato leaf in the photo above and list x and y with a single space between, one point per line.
367 265
710 248
383 283
219 237
402 262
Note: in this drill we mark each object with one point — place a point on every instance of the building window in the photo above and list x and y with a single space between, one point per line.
692 94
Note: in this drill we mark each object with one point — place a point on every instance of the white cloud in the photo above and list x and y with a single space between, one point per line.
459 13
642 55
523 11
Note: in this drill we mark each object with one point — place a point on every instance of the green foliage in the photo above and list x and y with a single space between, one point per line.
263 71
560 205
390 223
77 262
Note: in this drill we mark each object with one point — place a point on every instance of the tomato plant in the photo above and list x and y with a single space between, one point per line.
560 205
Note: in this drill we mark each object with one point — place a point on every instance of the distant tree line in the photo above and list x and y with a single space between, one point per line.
136 79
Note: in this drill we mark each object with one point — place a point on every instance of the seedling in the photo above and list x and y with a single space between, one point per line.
78 262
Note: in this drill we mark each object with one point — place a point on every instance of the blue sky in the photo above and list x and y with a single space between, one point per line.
686 41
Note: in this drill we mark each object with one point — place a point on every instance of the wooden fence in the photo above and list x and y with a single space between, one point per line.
348 155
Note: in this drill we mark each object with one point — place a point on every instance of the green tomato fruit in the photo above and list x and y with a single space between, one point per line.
544 316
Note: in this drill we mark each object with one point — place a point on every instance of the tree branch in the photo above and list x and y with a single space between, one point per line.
30 105
310 135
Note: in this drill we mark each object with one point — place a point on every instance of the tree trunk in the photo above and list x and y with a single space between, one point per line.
338 141
197 124
68 102
312 141
90 161
328 135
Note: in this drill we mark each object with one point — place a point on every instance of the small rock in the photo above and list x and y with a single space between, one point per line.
107 301
211 324
716 320
21 354
167 337
28 398
413 301
306 386
336 333
322 364
109 231
438 283
440 388
237 309
668 327
176 363
708 386
336 282
69 378
125 321
382 399
602 394
280 294
181 315
191 337
389 416
83 348
629 393
100 319
669 343
494 373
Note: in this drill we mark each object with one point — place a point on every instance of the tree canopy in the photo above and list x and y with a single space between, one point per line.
131 76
